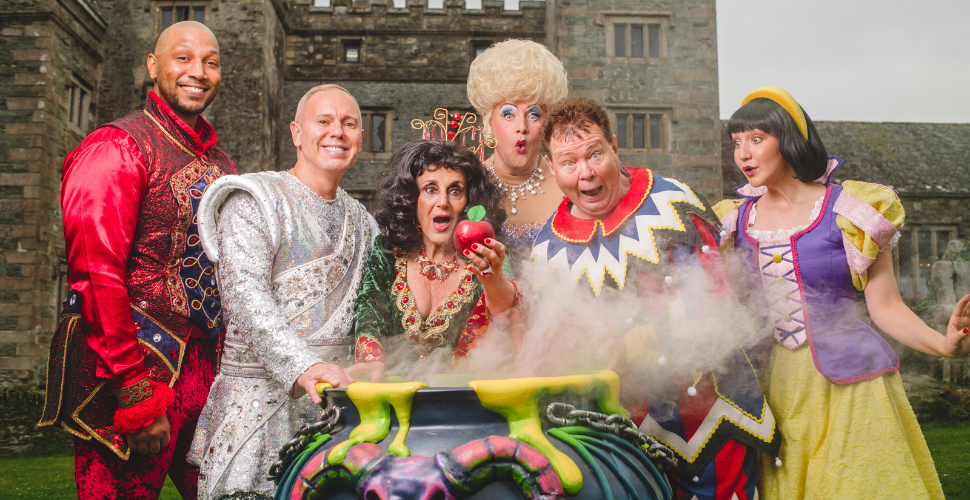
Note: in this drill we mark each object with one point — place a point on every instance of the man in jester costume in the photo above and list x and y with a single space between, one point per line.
629 232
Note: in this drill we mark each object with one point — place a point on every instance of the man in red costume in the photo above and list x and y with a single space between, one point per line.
135 352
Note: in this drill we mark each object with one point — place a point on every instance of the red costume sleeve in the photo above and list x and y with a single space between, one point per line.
104 182
710 259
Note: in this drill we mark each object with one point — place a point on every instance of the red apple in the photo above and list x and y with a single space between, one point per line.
469 231
472 230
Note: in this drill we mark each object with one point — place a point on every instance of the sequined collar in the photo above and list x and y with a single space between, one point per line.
194 141
427 334
576 230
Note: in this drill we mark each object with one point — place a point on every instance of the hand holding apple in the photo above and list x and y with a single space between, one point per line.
475 240
472 230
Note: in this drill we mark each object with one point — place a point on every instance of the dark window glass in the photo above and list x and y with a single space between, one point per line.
478 48
72 106
638 132
352 52
619 40
655 132
653 41
377 130
199 15
182 13
621 131
82 108
166 17
636 41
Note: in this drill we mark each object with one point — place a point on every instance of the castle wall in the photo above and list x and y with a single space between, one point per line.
49 49
246 113
412 61
414 57
674 78
406 100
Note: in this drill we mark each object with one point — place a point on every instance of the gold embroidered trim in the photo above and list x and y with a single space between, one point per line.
75 415
176 370
174 140
73 320
134 394
76 433
181 181
428 333
764 405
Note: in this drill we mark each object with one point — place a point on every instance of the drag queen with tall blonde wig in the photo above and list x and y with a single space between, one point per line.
832 381
513 85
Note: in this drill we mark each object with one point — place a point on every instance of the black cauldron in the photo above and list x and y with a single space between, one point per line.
459 449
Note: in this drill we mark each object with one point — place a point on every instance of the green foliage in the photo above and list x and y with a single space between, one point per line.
962 256
923 305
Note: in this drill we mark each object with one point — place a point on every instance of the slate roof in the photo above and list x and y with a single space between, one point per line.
912 158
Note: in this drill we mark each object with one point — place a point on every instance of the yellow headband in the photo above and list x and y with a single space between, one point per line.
785 100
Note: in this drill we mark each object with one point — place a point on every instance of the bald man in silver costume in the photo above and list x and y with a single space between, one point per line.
290 249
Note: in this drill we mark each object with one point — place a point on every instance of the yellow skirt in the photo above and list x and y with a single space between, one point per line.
859 440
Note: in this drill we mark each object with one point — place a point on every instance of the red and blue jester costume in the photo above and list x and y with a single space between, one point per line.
660 242
137 336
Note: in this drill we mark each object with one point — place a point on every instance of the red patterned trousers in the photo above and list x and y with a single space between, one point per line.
101 475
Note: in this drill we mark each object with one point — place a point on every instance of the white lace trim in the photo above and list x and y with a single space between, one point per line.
781 233
892 241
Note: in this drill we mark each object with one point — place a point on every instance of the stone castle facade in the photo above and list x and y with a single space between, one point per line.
67 66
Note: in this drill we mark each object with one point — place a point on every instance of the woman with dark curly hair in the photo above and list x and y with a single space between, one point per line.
416 283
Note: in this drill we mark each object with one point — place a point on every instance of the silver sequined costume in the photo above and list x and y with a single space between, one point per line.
290 264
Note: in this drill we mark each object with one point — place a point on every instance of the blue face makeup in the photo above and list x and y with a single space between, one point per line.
507 111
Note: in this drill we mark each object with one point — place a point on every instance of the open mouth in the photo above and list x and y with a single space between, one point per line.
592 193
441 222
520 146
335 149
749 170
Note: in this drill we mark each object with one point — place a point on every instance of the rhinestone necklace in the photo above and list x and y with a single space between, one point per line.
434 271
518 191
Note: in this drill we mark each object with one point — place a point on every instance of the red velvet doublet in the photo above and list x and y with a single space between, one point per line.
141 283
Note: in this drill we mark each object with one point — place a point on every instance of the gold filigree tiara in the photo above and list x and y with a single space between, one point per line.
455 127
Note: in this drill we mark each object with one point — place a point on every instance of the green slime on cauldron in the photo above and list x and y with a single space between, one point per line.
374 402
515 399
518 401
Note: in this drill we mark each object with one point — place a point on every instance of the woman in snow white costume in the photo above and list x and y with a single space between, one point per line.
831 380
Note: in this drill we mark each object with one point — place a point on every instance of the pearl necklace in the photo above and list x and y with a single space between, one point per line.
518 191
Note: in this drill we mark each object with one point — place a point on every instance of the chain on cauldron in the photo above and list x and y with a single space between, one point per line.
301 439
564 414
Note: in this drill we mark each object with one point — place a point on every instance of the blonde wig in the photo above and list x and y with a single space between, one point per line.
515 70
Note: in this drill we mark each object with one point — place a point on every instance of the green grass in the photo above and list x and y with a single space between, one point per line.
52 477
949 444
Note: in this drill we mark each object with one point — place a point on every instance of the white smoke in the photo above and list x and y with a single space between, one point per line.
562 328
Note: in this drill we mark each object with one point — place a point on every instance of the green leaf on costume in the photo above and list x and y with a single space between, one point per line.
476 213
